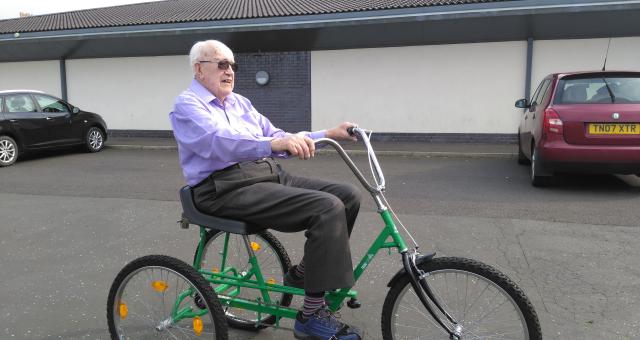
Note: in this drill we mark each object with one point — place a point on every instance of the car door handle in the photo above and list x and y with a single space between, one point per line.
48 118
13 120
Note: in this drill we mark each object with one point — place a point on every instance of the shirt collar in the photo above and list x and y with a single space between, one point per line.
207 96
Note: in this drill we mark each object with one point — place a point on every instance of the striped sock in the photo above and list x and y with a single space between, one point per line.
300 269
312 302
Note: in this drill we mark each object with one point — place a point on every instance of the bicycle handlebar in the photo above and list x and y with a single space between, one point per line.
379 176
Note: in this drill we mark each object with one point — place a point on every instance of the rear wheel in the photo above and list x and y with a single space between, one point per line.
274 263
94 140
8 151
485 303
160 297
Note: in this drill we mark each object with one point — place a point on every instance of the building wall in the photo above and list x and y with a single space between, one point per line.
461 88
286 99
552 56
138 93
31 75
129 93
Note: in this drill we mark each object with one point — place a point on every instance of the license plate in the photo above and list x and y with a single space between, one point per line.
614 129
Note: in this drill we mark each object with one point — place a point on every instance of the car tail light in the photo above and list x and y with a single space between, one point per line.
552 122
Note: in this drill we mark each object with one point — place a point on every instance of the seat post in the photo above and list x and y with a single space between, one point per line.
247 244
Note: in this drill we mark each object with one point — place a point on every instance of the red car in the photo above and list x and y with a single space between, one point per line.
581 122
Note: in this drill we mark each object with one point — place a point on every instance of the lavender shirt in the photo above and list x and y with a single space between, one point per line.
212 136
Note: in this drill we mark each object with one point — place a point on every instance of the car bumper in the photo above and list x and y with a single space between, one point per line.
560 156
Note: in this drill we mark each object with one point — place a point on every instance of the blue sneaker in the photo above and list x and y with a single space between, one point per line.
323 325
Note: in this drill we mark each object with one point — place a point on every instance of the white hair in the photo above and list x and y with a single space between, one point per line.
201 48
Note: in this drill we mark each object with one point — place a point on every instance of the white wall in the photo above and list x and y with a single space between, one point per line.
129 93
31 75
554 56
461 88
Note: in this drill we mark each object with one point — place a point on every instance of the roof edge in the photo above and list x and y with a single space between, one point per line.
514 8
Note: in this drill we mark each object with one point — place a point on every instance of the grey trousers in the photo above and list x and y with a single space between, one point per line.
261 193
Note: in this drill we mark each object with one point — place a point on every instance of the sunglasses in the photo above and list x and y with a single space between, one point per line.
222 64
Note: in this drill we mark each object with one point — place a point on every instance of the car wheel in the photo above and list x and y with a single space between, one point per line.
94 141
522 159
536 179
8 151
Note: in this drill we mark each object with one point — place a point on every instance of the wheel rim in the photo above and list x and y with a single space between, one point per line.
143 310
482 308
7 151
95 139
271 267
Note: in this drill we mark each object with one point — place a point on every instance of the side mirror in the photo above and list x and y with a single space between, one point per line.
522 103
75 110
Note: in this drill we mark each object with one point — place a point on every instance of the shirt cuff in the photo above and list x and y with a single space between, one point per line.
317 134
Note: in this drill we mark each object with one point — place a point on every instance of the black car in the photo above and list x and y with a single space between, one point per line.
33 120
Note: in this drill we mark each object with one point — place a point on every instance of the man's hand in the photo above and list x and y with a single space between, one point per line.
340 132
297 145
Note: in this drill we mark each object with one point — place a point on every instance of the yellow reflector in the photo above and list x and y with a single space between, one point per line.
197 325
123 310
271 281
215 270
255 246
159 286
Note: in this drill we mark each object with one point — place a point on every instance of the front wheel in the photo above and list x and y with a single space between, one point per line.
160 297
522 159
536 179
485 303
94 140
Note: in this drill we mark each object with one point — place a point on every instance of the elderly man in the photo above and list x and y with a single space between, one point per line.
227 149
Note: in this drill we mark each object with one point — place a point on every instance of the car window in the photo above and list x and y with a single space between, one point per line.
50 104
594 90
541 91
20 103
2 109
535 94
546 94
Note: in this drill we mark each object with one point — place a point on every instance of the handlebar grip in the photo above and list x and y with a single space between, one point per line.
350 131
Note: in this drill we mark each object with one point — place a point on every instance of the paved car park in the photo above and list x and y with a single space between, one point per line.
71 220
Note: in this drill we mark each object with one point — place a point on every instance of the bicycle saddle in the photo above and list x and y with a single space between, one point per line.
191 215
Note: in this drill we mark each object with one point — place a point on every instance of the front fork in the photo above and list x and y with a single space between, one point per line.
417 277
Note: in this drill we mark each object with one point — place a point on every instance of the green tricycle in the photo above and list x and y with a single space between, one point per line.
238 269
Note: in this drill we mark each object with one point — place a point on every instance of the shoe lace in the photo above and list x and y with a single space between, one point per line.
329 318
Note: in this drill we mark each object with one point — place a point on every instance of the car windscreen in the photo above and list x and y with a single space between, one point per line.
598 90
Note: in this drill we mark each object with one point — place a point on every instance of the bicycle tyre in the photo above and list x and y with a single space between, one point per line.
140 320
240 318
444 274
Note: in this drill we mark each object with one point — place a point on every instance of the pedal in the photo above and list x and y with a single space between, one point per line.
353 303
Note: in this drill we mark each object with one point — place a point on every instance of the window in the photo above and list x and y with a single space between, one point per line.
20 103
50 104
594 90
542 89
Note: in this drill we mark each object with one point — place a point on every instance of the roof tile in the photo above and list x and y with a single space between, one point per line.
177 11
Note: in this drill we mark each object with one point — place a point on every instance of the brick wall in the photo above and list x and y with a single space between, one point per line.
286 99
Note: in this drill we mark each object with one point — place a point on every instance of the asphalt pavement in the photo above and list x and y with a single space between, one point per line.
72 220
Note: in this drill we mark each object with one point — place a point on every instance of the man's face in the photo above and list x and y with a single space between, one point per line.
218 81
